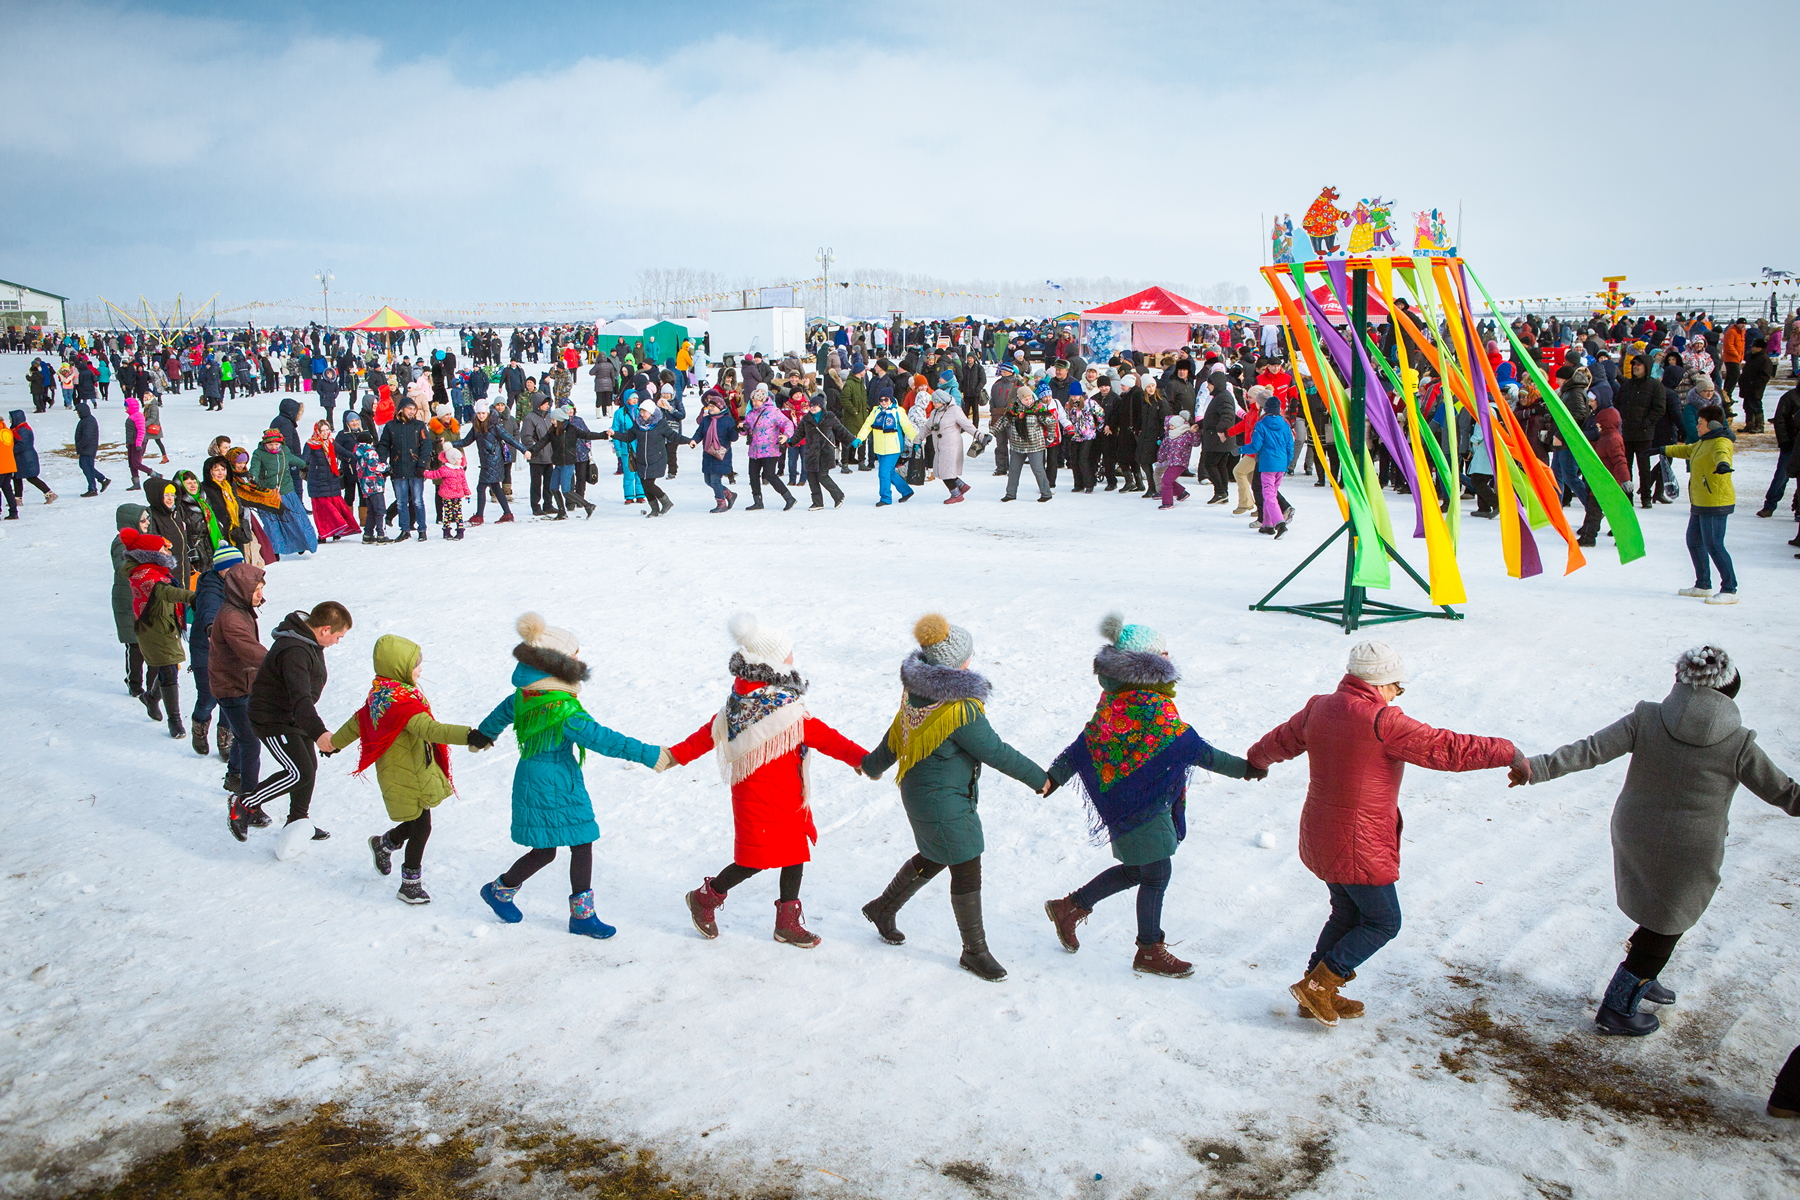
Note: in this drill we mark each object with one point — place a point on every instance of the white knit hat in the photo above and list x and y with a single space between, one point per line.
759 643
1376 663
533 631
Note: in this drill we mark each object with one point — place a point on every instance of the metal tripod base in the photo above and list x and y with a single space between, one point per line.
1355 609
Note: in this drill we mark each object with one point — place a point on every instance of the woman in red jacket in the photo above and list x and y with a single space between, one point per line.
1358 747
761 737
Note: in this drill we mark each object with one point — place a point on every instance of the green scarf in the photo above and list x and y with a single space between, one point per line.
538 720
916 733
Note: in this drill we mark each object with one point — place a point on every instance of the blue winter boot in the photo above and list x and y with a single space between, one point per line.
1619 1008
583 921
499 897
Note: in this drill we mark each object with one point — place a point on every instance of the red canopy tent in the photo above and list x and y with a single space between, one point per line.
1334 312
1159 318
385 318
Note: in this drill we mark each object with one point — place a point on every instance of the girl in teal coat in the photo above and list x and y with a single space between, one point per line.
940 738
549 797
1132 763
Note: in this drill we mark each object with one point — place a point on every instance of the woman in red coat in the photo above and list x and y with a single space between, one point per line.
1358 747
761 737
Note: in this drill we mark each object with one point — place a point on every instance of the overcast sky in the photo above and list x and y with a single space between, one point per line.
490 151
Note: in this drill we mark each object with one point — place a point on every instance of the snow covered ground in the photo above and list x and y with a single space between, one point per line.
155 970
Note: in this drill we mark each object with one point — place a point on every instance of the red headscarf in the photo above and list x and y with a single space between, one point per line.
322 439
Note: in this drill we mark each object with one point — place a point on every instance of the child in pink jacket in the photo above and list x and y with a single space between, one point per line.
452 489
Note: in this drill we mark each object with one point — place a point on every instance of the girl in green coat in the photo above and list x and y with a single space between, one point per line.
1132 761
410 752
940 738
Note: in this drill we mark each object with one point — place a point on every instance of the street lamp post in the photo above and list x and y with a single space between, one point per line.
325 277
825 260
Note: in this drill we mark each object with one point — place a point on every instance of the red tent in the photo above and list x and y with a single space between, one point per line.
1334 312
1157 306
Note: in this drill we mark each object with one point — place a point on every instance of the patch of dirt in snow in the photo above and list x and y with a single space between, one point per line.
331 1154
1263 1166
972 1175
1564 1076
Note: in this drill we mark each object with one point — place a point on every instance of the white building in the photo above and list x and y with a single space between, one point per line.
25 306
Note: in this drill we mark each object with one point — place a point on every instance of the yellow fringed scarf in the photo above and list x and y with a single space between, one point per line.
916 733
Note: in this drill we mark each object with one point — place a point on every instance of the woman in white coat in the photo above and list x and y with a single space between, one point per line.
945 428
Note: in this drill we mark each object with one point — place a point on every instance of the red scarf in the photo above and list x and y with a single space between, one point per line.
144 578
384 714
324 443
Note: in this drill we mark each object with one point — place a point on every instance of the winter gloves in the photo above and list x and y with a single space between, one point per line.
479 740
664 760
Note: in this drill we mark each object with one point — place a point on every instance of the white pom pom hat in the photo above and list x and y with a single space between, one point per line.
534 631
758 642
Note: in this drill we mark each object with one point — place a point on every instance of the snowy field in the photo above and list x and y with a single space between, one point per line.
156 971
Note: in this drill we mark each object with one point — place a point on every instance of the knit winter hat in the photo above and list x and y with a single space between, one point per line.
1271 405
943 644
133 540
226 555
1131 637
759 643
535 632
1376 663
1703 666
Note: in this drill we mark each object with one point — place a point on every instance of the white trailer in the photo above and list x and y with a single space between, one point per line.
768 331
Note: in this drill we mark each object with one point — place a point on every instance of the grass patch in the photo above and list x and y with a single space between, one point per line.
329 1156
1263 1168
326 1156
1558 1078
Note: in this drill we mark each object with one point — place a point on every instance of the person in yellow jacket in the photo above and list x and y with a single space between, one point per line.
410 751
892 431
1711 497
684 357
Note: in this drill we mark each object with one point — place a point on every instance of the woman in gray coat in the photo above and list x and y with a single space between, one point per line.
1688 755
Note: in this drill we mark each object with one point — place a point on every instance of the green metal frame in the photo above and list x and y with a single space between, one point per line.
1354 609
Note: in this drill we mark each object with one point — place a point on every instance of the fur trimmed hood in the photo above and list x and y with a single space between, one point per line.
756 672
154 558
938 684
551 662
1135 666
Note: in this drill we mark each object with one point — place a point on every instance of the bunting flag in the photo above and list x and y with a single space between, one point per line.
1438 332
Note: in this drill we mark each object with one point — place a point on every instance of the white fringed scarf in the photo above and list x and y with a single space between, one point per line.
771 722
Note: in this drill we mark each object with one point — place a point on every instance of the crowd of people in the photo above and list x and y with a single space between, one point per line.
189 580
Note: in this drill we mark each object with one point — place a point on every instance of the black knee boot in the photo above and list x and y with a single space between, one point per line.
975 957
171 695
134 670
903 887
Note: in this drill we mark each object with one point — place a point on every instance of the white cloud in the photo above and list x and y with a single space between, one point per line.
1072 140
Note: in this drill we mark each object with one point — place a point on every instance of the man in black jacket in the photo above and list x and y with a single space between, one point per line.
285 720
406 445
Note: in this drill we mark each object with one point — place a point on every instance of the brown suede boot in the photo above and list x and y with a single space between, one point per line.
1347 1009
1065 914
1318 993
1156 960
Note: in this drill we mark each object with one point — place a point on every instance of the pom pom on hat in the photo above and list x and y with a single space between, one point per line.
1703 666
943 644
134 540
759 643
1376 663
1131 637
535 631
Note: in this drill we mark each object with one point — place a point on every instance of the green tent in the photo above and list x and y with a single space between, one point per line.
664 338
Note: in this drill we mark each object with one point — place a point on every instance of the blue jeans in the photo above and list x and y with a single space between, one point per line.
200 654
245 757
1706 546
562 478
1364 918
1778 485
1151 880
409 494
889 479
94 477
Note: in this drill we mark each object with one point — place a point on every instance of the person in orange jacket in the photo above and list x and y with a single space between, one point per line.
762 735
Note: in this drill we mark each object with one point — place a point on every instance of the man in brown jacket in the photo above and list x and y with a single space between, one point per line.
236 652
